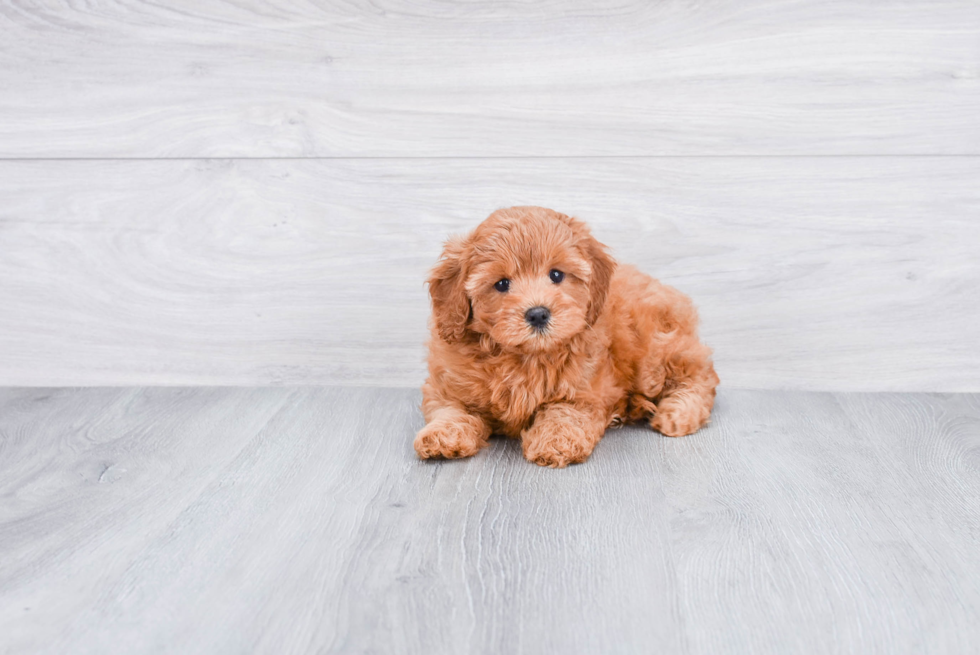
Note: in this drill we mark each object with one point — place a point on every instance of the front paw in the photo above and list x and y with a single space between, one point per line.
462 437
678 417
557 446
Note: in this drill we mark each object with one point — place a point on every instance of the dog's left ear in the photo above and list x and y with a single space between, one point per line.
602 269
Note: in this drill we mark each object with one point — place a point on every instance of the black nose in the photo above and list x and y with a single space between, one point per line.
537 317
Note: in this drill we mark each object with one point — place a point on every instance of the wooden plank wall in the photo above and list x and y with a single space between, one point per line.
252 192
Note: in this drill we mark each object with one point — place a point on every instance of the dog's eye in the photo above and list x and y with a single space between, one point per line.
556 276
502 285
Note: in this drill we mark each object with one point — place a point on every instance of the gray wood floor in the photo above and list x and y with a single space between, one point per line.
275 520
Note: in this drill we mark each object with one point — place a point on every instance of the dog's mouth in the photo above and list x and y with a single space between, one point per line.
519 334
540 338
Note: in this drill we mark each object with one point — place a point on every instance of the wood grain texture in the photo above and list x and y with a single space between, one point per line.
299 520
425 78
810 273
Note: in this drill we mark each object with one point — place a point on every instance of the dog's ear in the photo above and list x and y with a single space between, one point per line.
450 304
602 269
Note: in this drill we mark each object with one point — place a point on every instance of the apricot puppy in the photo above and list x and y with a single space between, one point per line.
538 334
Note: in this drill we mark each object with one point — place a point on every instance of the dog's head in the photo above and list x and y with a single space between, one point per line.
527 277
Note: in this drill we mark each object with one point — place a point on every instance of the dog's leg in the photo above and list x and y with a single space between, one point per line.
451 432
562 434
688 394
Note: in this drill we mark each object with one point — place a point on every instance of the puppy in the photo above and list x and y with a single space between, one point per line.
538 334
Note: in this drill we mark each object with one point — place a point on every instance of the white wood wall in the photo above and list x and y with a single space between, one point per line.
207 192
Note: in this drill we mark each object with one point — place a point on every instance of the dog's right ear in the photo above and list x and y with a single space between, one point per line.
450 304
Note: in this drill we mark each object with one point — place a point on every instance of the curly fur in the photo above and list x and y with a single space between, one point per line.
620 346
